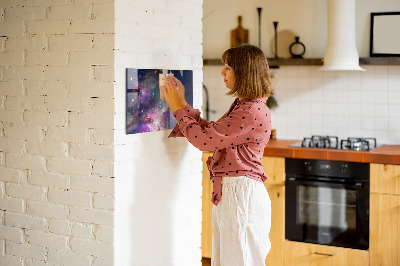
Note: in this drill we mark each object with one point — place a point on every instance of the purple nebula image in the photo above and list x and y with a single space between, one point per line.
146 110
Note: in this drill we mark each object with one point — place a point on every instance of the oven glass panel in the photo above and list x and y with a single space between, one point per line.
326 207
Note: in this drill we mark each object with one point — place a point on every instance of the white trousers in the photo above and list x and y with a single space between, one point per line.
241 223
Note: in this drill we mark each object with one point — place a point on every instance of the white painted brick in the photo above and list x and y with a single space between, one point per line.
92 151
91 247
24 13
11 88
194 49
69 166
46 88
57 103
105 233
98 120
2 158
91 26
26 191
25 221
93 184
103 11
32 262
25 161
45 2
97 57
11 117
103 168
11 260
21 43
104 73
74 135
103 202
97 105
24 132
12 29
68 258
11 59
105 260
70 12
47 27
101 136
56 149
91 89
3 44
82 230
24 73
47 58
12 204
48 179
10 174
81 73
103 41
12 234
25 250
95 216
69 197
46 118
71 42
60 227
46 209
25 103
46 240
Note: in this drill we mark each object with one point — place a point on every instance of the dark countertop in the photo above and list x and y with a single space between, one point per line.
389 154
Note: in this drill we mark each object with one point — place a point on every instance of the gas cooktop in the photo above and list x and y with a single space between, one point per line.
332 142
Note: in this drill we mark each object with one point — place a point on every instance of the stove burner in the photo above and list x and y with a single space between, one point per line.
358 144
328 142
332 142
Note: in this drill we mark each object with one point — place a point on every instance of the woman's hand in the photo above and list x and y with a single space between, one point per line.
172 91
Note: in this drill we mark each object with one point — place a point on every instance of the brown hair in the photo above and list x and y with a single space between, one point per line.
250 66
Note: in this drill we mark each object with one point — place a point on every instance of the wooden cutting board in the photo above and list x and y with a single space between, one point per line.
239 35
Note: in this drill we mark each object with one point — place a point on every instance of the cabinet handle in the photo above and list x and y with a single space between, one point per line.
324 254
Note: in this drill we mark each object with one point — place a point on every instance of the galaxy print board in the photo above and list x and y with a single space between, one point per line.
146 109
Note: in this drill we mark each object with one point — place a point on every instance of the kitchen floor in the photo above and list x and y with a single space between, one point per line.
206 261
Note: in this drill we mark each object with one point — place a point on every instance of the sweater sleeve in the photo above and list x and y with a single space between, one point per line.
193 113
229 131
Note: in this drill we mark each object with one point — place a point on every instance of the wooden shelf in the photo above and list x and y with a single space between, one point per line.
380 61
274 63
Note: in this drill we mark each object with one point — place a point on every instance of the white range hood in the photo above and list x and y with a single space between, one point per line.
341 51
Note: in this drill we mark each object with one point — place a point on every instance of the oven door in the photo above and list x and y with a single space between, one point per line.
327 213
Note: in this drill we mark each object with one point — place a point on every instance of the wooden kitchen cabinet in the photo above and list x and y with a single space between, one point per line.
305 254
206 225
385 178
384 237
274 168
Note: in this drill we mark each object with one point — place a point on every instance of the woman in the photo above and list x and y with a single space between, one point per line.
242 208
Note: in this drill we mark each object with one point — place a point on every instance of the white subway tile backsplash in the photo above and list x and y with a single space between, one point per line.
346 103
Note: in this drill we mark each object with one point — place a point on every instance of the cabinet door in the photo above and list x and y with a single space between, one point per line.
274 168
384 230
304 254
277 233
385 178
206 226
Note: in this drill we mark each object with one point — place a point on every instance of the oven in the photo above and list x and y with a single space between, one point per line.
327 202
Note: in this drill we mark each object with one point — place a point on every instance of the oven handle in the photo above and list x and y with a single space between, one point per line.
324 254
357 185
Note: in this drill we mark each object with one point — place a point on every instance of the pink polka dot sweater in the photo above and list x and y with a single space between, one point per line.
238 139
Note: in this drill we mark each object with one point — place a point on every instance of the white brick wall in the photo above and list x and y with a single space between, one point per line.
56 132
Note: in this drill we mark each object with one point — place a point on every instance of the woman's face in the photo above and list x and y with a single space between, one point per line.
229 76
